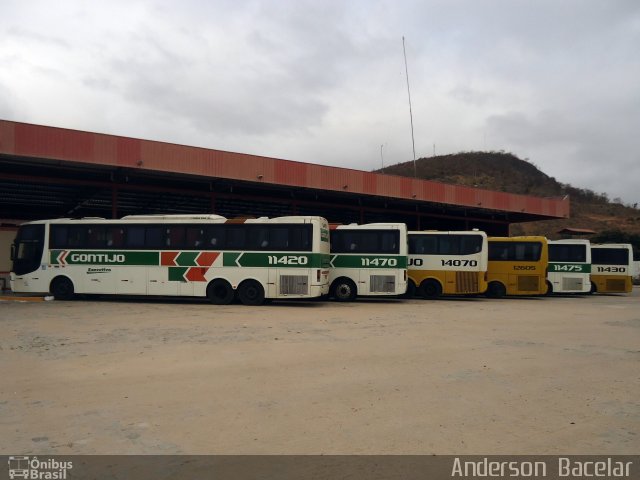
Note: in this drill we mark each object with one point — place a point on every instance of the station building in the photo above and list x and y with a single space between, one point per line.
48 172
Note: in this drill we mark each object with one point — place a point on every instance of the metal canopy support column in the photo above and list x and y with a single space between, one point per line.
114 202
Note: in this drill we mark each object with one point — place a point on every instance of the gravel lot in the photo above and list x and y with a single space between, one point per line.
511 376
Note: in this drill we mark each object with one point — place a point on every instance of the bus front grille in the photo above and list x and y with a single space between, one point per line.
382 283
572 283
294 285
528 283
616 285
466 282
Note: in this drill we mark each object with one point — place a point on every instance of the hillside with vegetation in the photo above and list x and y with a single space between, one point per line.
501 171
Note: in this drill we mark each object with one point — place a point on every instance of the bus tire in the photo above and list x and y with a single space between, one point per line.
430 288
344 290
250 292
411 290
61 288
549 288
220 292
496 290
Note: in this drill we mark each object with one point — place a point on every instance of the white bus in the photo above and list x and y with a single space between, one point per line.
569 266
611 268
174 255
447 263
368 259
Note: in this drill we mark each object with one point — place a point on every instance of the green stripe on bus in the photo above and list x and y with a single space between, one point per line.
84 257
176 274
187 259
280 260
570 267
368 261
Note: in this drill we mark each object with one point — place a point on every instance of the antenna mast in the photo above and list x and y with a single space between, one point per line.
413 143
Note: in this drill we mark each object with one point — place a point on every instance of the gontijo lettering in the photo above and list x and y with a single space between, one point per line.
97 258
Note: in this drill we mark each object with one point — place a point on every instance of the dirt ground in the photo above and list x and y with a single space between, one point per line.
512 376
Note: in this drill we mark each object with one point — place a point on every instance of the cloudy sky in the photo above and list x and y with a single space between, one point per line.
557 82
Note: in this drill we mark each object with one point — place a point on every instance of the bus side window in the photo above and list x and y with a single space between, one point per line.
194 237
351 242
279 237
58 236
96 236
429 245
134 236
257 237
215 237
389 242
77 236
236 237
175 236
115 237
154 237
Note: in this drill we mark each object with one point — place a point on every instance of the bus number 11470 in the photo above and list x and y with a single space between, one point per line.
379 262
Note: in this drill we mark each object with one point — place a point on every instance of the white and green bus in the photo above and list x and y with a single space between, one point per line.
368 259
569 266
174 255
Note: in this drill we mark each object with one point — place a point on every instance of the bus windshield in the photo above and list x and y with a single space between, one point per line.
567 253
27 249
609 256
515 251
365 241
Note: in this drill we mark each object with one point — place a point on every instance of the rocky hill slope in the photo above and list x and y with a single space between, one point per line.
508 173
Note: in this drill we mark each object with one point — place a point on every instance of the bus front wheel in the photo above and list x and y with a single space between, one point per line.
62 288
344 290
430 289
496 290
220 292
251 292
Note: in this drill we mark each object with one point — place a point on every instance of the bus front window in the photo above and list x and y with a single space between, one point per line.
27 249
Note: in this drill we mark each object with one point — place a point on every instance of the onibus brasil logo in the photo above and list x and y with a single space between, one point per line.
33 468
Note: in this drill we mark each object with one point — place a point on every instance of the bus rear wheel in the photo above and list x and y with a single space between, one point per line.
549 289
220 292
62 288
496 290
411 290
344 290
251 292
430 289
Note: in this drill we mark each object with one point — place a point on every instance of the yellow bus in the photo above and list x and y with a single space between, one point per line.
517 266
447 263
612 268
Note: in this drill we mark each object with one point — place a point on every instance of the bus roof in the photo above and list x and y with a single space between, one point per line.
612 245
570 241
205 218
447 232
527 238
